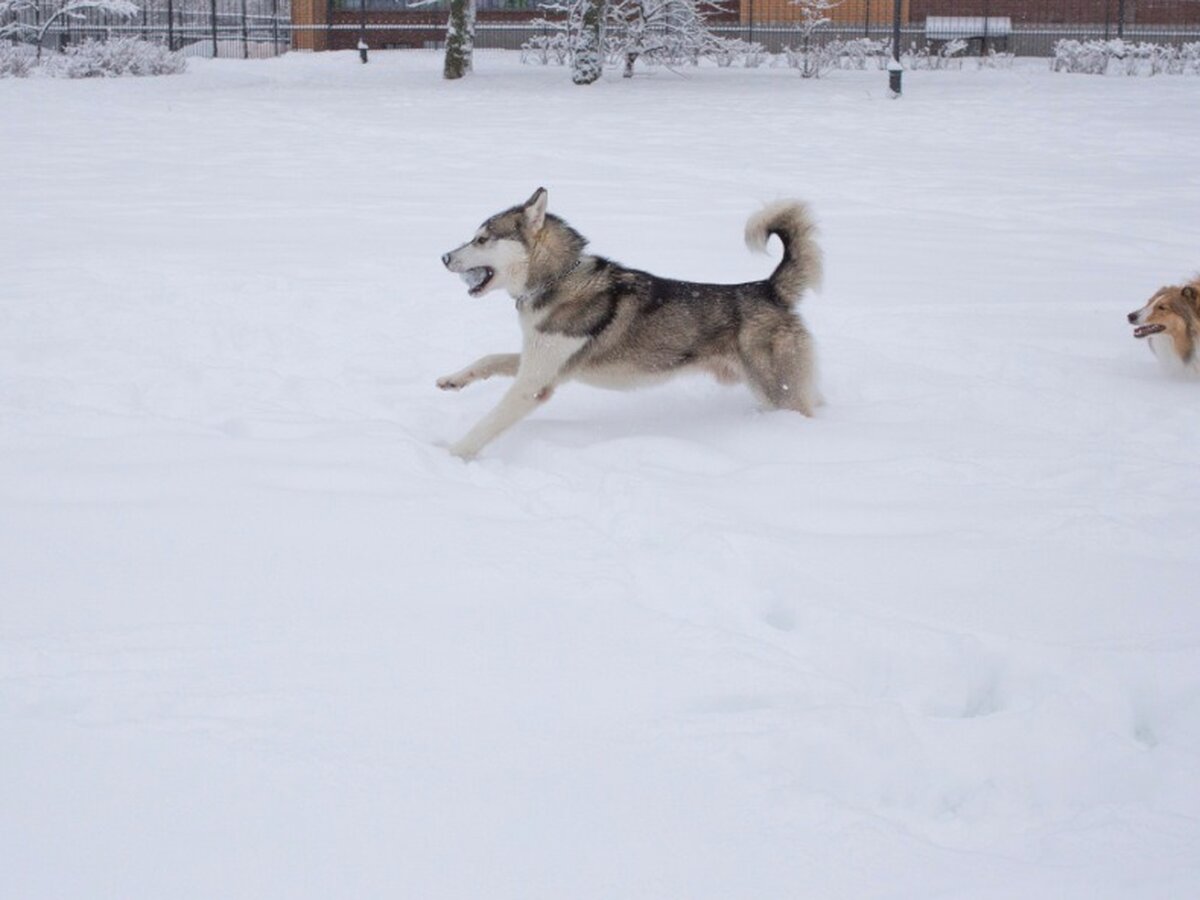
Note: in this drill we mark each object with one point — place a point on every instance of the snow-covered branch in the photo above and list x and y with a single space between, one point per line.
56 11
813 15
11 10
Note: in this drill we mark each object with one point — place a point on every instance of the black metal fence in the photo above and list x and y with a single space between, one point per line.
242 29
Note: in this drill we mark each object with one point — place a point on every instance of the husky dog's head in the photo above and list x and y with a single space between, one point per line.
1171 319
497 257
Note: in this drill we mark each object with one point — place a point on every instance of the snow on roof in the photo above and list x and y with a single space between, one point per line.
944 28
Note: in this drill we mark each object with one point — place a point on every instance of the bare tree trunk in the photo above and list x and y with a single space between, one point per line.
460 39
587 65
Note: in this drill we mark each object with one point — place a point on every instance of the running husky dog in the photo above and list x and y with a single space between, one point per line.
1171 319
589 319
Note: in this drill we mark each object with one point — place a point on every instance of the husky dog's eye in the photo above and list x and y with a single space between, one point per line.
481 240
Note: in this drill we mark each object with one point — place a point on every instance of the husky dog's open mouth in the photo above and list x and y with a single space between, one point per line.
477 279
1146 330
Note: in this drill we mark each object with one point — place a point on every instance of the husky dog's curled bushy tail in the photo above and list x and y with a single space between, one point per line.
800 268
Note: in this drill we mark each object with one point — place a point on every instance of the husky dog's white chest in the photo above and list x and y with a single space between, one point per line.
544 354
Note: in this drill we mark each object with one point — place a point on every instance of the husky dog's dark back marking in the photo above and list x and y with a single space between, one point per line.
590 319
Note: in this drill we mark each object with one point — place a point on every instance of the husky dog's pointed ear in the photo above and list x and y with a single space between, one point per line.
535 210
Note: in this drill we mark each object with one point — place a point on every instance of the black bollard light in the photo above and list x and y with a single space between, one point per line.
895 69
362 30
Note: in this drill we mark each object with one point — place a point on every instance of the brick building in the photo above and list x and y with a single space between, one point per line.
1064 12
335 24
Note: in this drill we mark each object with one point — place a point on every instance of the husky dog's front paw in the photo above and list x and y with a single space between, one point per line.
455 382
464 451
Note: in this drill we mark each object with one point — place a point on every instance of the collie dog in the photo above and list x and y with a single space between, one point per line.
1171 321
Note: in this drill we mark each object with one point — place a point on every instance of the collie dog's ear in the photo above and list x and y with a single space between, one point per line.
1190 294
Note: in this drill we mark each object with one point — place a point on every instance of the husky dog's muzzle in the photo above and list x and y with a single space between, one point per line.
476 278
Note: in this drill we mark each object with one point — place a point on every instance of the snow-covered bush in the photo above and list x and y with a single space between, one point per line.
119 56
1176 61
15 60
948 56
854 54
859 53
1125 57
756 54
863 53
1087 57
1069 56
1147 58
1130 57
1189 58
551 47
812 58
1160 59
726 52
996 60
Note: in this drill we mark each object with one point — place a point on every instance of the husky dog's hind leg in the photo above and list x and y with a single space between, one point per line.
779 364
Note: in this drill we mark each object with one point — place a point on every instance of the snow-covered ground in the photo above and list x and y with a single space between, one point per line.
262 637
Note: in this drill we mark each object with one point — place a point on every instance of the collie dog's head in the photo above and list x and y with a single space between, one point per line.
1171 319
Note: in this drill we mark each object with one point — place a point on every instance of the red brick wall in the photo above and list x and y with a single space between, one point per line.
434 22
1137 12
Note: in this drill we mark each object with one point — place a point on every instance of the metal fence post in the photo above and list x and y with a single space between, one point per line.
275 26
213 9
867 20
171 25
245 33
1120 18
